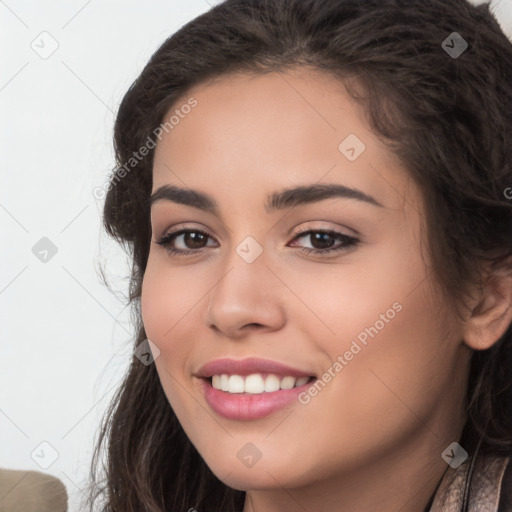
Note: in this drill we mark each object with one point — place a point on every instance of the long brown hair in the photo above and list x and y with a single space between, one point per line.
447 117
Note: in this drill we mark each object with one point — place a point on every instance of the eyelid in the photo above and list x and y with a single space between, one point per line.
181 227
342 231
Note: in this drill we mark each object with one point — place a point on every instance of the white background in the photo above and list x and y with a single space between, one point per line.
65 338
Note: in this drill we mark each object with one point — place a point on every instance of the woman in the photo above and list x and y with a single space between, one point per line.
314 197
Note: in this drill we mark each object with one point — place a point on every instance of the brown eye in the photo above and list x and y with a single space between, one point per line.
192 239
324 241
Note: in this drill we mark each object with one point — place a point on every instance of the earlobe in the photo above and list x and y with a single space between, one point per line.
492 315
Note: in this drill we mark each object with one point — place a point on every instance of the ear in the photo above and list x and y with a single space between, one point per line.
491 311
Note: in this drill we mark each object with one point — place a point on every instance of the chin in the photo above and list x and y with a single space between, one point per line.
251 479
269 474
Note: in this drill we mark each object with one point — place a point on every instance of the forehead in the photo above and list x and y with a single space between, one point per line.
266 131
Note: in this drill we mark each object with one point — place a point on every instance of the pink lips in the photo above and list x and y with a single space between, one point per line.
246 406
248 366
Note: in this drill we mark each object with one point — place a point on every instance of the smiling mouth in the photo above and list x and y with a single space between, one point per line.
256 383
252 395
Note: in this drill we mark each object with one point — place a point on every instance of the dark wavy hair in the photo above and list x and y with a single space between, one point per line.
449 121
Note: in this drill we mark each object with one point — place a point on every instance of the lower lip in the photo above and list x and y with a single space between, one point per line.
247 406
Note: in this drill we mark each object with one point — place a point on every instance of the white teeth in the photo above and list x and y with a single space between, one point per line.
272 383
255 383
288 382
301 381
216 381
236 384
224 379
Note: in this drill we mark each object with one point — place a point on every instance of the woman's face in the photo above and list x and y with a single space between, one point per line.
362 331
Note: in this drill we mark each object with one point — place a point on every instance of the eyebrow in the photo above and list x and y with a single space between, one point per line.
282 200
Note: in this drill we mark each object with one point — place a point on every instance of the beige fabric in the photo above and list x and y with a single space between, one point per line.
31 491
485 486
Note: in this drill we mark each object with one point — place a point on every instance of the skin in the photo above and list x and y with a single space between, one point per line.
372 438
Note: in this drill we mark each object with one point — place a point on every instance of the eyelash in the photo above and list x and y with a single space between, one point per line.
349 243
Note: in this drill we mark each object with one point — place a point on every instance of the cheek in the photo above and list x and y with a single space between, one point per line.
349 298
384 320
388 390
164 311
166 298
395 371
166 305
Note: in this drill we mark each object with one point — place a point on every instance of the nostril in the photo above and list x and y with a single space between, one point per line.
254 325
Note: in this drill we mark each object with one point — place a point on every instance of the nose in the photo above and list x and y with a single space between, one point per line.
247 297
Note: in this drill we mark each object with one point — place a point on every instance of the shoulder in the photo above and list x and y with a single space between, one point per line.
32 491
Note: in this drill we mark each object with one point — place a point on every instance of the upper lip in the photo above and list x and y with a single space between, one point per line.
247 367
